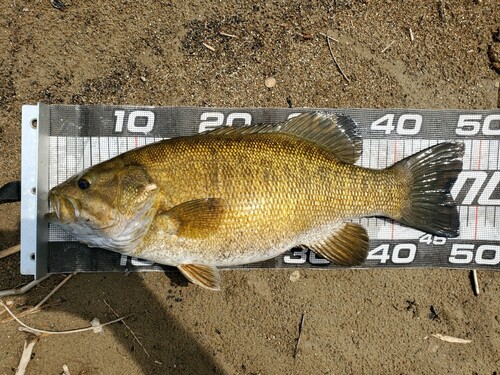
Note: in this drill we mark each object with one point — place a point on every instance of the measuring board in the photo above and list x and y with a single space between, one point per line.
61 140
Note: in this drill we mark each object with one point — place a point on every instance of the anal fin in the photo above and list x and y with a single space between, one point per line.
205 276
346 246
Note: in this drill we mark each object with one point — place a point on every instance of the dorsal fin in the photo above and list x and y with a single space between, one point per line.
337 133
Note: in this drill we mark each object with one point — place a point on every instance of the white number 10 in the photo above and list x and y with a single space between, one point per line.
131 123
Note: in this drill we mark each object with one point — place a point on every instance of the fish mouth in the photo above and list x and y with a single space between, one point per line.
65 209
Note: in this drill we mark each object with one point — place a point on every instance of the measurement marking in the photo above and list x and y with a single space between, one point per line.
477 207
57 156
395 148
475 223
487 153
466 216
66 159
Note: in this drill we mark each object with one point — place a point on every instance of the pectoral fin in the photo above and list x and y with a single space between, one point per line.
205 276
347 246
197 218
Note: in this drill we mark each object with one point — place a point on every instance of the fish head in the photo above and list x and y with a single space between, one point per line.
109 205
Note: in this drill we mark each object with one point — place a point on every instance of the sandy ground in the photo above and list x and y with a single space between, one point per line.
151 53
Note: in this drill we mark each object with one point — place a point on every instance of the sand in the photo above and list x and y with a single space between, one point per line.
152 53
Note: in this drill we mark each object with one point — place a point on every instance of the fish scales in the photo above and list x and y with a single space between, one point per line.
275 184
236 196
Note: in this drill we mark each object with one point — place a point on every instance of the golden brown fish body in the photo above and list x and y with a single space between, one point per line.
272 192
236 196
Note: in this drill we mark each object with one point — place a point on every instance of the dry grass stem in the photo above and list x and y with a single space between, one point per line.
26 312
301 327
130 330
66 370
228 35
38 307
335 60
208 46
388 46
27 328
475 283
39 304
452 339
329 37
23 289
10 251
26 356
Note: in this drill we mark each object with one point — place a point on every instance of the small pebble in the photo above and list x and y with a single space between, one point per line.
270 82
295 276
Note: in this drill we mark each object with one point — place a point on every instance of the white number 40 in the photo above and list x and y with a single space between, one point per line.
402 253
407 124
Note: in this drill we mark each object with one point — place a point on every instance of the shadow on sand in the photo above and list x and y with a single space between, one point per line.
172 350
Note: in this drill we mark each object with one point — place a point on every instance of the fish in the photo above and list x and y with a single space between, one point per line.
243 194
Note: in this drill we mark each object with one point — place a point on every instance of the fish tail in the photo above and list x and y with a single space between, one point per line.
428 177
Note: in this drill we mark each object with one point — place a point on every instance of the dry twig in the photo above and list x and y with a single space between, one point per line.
10 251
455 340
39 304
475 283
335 60
96 327
228 35
209 47
66 370
26 312
130 330
301 326
23 289
26 356
329 37
387 47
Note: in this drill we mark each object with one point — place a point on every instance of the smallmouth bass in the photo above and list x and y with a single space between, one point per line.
238 195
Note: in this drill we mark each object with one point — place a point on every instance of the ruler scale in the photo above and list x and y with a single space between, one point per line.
70 138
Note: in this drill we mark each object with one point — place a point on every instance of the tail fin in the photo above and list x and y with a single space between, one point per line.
430 174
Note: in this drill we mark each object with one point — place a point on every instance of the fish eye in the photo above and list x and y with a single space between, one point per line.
83 183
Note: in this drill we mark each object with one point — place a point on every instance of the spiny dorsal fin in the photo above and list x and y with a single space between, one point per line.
347 246
197 218
205 276
337 133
